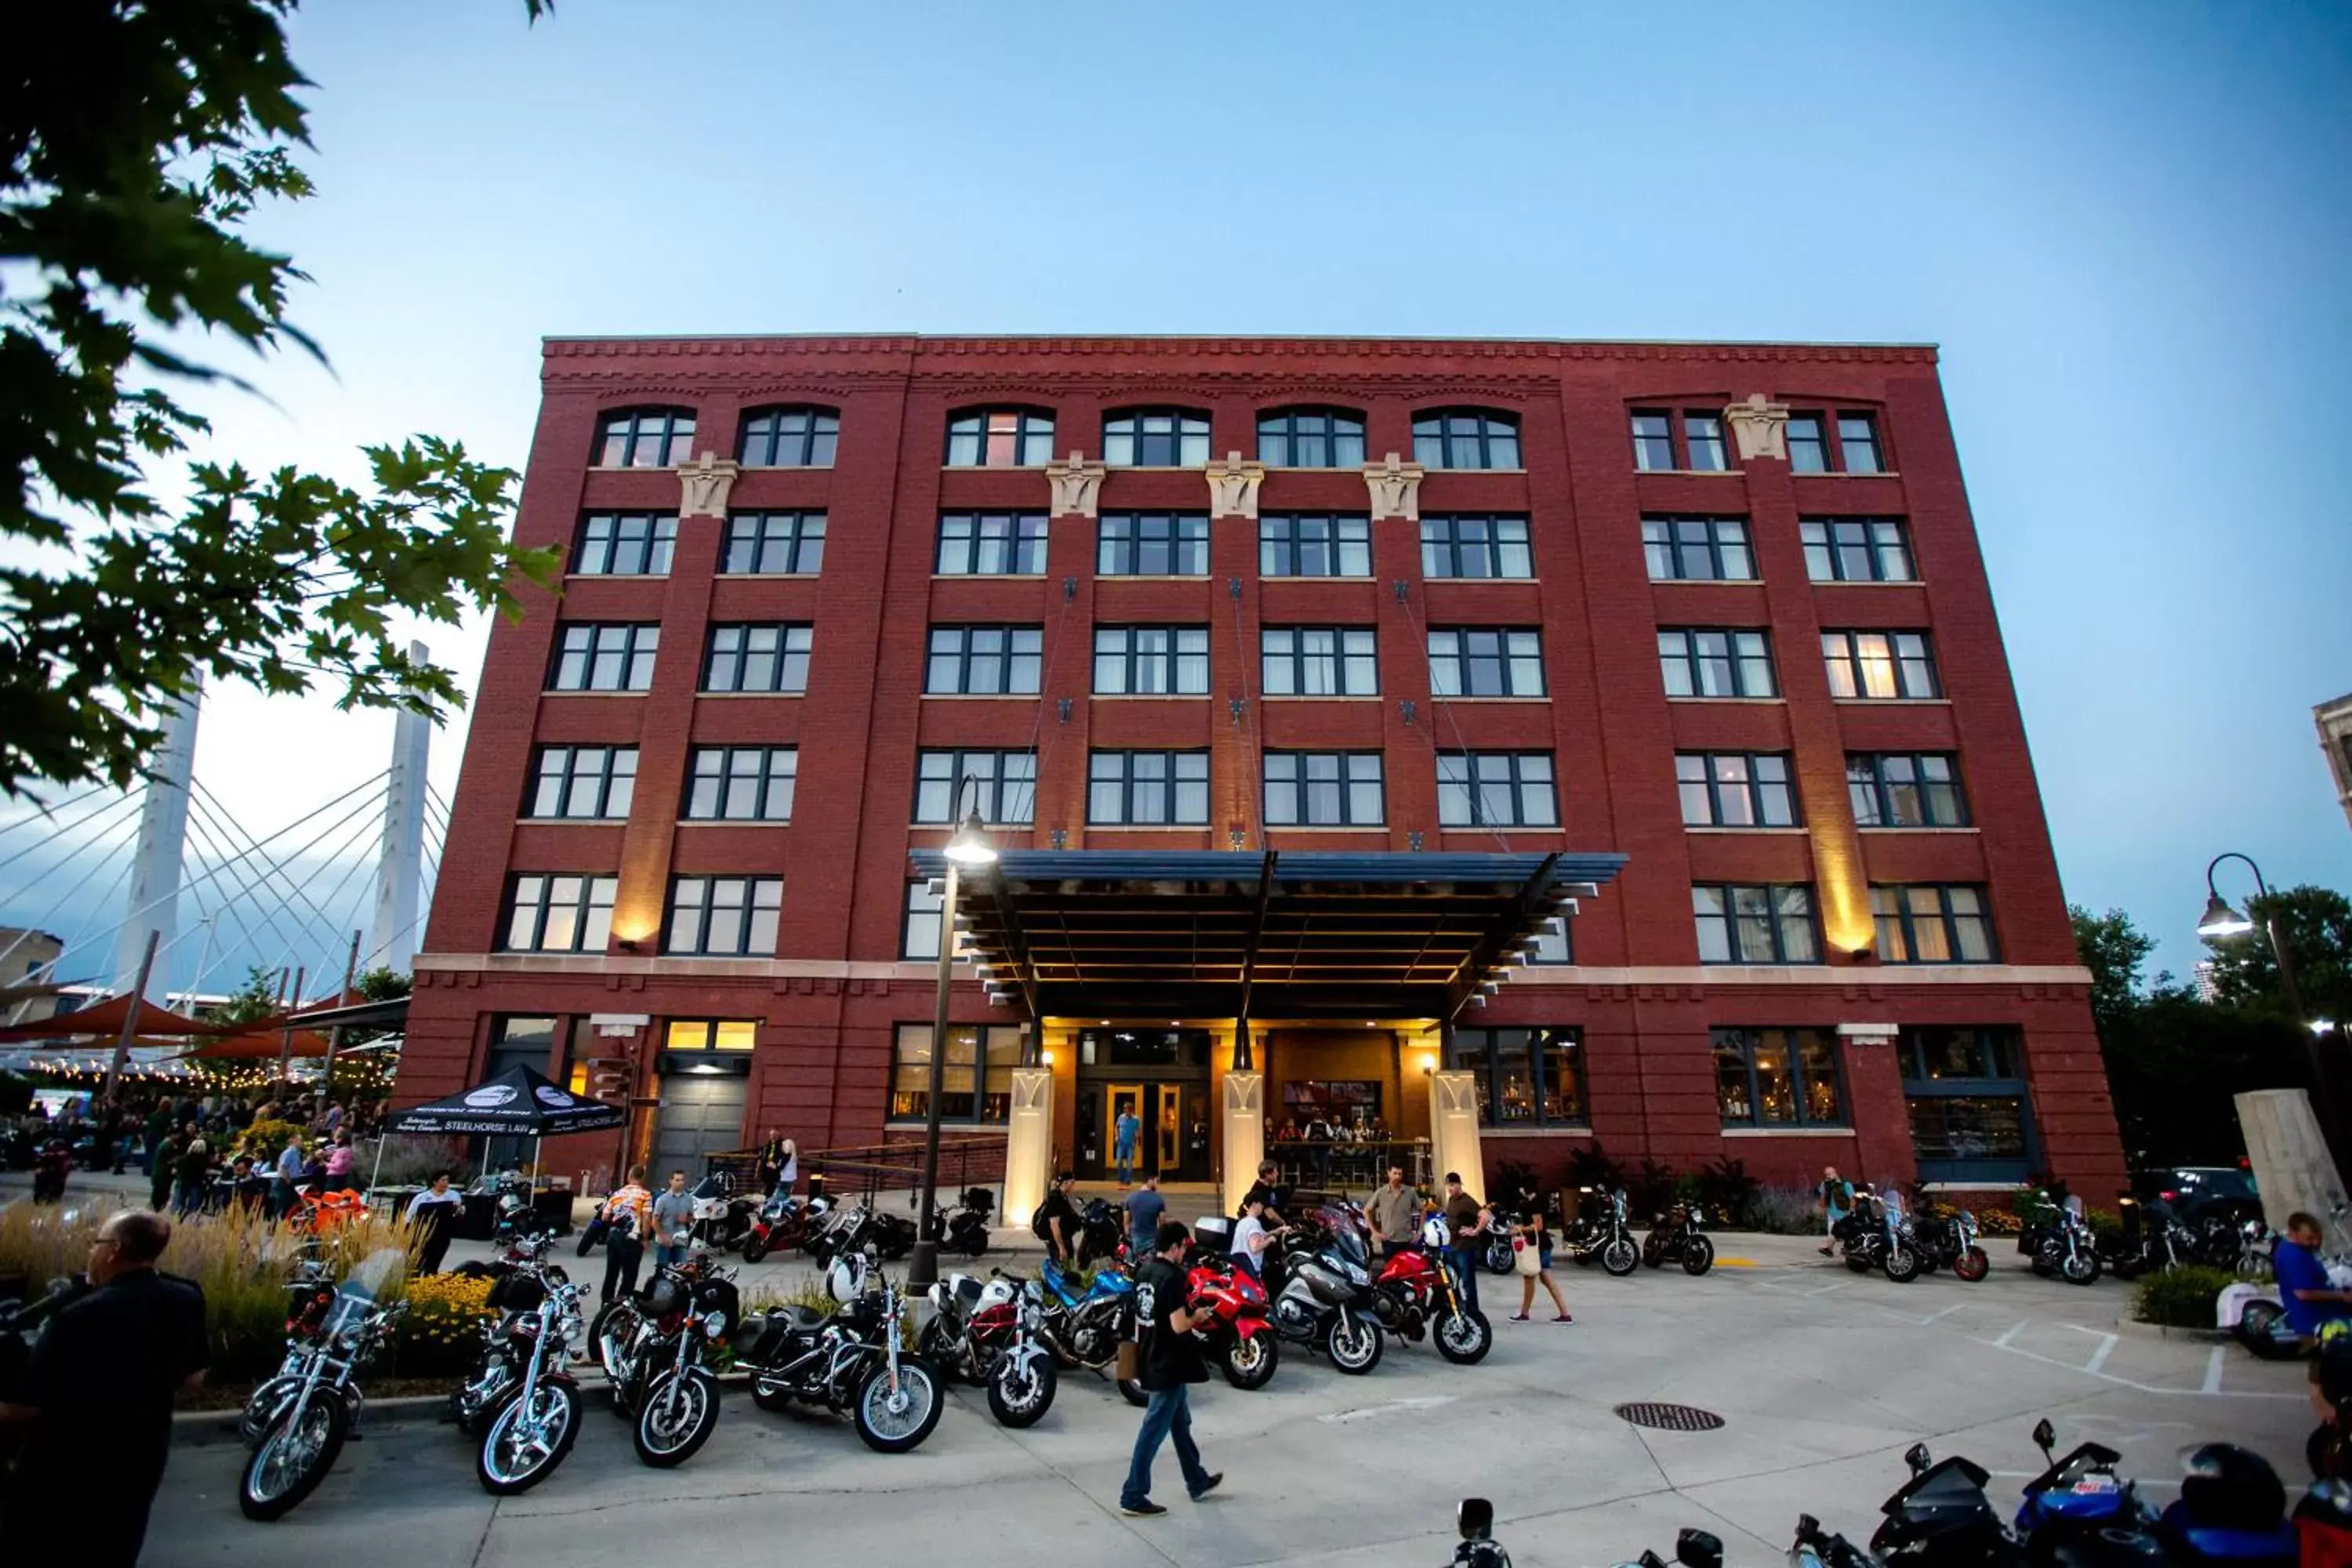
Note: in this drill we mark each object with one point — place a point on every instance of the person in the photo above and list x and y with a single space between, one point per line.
101 1380
1396 1214
163 1169
289 1171
779 1163
673 1222
159 1127
1463 1220
1144 1209
334 1119
432 1213
1837 1200
629 1214
1527 1226
1124 1133
1250 1238
1267 1191
340 1159
1171 1363
195 1175
1056 1220
2306 1295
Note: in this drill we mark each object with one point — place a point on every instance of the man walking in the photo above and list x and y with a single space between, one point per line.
1172 1362
629 1213
1144 1207
1837 1200
1395 1211
673 1222
1463 1221
1124 1133
1055 1222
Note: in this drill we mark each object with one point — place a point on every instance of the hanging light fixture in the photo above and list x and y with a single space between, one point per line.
971 846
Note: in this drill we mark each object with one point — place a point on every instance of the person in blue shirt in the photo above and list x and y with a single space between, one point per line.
2306 1295
1128 1127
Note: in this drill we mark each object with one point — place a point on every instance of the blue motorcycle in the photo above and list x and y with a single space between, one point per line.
1085 1324
2078 1512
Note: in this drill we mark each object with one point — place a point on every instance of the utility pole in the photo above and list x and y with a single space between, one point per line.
162 836
286 1042
131 1016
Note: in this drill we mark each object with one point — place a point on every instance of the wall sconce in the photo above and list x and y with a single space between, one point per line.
1413 841
1061 839
1236 837
1065 706
1047 1058
1407 708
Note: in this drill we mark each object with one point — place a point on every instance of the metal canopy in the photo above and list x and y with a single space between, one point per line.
1277 934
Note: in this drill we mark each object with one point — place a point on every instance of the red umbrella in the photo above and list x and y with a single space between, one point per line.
104 1019
258 1046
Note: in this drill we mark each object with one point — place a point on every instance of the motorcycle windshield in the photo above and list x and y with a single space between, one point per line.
1348 1243
1947 1485
357 1296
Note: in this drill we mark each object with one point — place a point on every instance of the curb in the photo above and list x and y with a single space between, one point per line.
2132 1327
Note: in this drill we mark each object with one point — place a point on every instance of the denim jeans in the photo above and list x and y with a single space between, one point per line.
1168 1414
669 1255
1126 1157
1466 1274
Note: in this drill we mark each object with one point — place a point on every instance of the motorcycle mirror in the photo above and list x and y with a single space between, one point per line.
2045 1436
1475 1519
1808 1526
1698 1549
1917 1457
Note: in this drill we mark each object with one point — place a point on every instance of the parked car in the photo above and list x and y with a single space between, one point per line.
2199 1193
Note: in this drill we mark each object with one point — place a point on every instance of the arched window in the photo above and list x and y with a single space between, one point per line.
645 437
1310 439
1156 438
789 439
1000 438
1465 438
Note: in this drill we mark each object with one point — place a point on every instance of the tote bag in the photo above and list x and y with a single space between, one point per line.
1524 1257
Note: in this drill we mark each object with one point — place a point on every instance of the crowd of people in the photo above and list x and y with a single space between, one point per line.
202 1153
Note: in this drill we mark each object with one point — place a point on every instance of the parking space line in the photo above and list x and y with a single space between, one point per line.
1945 1313
2099 1357
2015 1330
2213 1370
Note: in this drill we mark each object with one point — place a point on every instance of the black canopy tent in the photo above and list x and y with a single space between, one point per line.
516 1103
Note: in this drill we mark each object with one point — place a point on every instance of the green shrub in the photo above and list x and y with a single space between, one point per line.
1785 1211
2182 1298
1729 1192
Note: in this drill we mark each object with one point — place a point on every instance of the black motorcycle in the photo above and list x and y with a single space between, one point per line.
963 1228
1322 1288
848 1358
1600 1233
518 1291
305 1433
533 1420
2150 1240
990 1333
1950 1241
1100 1233
1479 1549
1674 1237
654 1348
1876 1234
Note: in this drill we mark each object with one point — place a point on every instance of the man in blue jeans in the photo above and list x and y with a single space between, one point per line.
1171 1363
1124 1134
673 1222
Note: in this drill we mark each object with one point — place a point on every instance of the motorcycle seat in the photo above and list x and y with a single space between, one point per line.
798 1318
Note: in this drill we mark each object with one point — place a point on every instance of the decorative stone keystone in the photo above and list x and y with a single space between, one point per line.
1232 486
1396 489
1077 486
706 480
1759 427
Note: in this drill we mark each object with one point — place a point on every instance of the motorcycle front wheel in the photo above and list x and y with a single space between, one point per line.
1020 1395
1698 1256
1972 1265
1498 1259
679 1415
1621 1256
265 1406
523 1447
1250 1364
1901 1264
1355 1345
755 1247
294 1457
1462 1337
894 1422
2079 1268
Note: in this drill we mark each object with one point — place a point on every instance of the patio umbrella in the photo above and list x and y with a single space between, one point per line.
516 1103
255 1046
104 1019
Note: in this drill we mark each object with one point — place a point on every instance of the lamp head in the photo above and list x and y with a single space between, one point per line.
2221 920
970 844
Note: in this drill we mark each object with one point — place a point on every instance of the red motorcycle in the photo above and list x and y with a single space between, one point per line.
1236 1335
1415 1294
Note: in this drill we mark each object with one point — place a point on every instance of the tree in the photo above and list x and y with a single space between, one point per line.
2316 925
2115 951
139 135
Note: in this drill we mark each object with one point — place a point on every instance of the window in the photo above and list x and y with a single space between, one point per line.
520 1042
624 544
1318 662
1937 1053
723 917
741 784
1526 1077
582 781
1735 789
1000 438
1496 789
983 662
1697 550
711 1034
1808 453
1152 544
1654 441
645 438
1932 922
1905 789
1156 438
1140 788
919 937
1465 438
1151 661
607 657
992 544
1773 924
1703 441
1857 550
769 659
1458 546
1554 943
1697 663
1777 1077
1324 789
1880 665
559 912
775 542
789 438
1310 439
975 1082
1964 1087
1290 546
1004 785
1485 662
1858 448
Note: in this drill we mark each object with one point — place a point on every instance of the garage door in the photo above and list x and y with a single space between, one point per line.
700 1115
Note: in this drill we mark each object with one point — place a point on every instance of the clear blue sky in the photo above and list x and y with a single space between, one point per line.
2126 226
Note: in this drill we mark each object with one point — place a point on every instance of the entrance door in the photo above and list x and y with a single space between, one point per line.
1122 1100
701 1114
1167 1131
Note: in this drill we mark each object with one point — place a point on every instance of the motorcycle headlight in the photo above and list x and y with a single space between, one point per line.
1356 1275
715 1325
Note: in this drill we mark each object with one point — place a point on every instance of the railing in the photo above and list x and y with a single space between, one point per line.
868 1171
1344 1164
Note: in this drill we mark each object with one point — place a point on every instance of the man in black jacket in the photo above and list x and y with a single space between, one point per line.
1171 1363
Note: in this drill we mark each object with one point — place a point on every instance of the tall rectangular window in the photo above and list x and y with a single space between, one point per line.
1697 550
1496 789
985 661
1654 441
741 784
1525 1078
1857 550
1148 788
1309 545
1156 438
559 912
645 438
604 657
789 438
1735 789
723 917
775 542
1324 789
582 781
1001 439
1882 665
1152 544
1808 452
992 544
1151 661
1466 438
1777 1077
757 657
1319 661
1698 662
1703 439
1458 545
624 544
1905 789
1769 924
1555 943
1003 786
1310 439
1482 661
1932 922
975 1082
1858 446
920 935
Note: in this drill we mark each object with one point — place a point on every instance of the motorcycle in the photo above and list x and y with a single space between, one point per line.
1604 1235
1083 1327
1101 1234
1229 1308
1479 1549
303 1437
852 1228
309 1297
722 1220
1693 1549
2059 1242
848 1358
1415 1294
1674 1237
517 1292
964 1229
990 1333
782 1222
653 1348
533 1421
1323 1293
2150 1240
1876 1233
1950 1241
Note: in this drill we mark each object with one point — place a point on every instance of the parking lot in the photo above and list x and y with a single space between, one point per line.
1823 1379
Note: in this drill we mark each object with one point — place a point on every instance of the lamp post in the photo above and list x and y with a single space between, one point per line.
2221 920
970 846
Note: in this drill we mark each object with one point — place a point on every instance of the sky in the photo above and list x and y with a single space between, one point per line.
2125 225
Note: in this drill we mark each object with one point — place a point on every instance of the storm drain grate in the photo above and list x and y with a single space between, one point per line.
1670 1417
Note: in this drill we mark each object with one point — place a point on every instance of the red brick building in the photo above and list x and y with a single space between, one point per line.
1716 609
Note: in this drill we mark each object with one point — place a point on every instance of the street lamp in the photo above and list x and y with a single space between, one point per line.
2221 920
970 846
